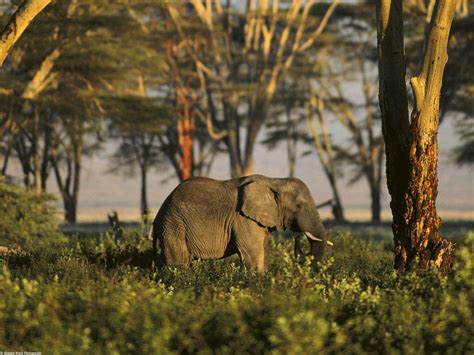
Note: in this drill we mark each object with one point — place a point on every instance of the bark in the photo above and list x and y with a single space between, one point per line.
143 193
70 209
233 142
337 208
185 139
43 76
23 16
185 129
412 149
375 203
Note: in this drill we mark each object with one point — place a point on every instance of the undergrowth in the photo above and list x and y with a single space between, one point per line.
99 295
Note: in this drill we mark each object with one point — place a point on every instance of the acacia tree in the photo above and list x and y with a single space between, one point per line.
302 107
73 66
366 150
18 23
245 59
138 122
411 145
24 122
457 92
324 147
287 105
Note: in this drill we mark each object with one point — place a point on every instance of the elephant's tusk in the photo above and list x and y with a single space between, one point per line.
312 237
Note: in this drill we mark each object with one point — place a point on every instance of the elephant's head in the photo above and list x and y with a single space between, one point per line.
283 204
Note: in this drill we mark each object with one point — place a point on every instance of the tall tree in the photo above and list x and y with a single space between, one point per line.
411 146
27 80
366 149
138 122
302 106
324 147
247 56
74 66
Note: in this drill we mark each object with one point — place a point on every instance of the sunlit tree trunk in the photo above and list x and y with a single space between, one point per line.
185 129
23 16
412 149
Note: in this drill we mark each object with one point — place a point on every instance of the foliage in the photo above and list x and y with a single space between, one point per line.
88 298
26 219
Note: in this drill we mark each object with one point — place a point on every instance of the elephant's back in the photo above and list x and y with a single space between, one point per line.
204 195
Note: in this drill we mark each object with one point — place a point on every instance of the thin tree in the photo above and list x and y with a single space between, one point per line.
138 121
324 148
411 145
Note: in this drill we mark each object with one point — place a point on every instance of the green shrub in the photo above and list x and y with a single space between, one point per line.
26 220
88 297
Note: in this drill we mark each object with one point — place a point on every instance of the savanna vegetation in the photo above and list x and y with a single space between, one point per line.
98 294
171 85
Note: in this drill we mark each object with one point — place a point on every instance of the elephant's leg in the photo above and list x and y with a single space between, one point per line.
175 251
252 241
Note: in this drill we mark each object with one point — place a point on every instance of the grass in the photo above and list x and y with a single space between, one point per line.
97 294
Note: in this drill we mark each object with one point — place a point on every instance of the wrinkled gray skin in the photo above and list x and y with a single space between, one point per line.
210 219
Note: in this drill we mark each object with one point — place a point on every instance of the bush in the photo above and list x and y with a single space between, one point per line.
89 298
26 220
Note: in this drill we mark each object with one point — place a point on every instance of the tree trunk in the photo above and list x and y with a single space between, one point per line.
185 128
412 150
36 153
375 203
23 16
233 139
256 118
69 193
77 170
337 208
143 194
70 209
6 157
46 156
24 157
185 140
291 141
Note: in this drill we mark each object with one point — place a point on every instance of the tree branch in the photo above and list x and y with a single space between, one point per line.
23 16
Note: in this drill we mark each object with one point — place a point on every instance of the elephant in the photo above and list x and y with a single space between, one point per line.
204 218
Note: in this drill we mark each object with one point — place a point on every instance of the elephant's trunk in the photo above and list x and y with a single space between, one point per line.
318 241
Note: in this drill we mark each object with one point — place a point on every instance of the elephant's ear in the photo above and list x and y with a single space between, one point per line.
258 201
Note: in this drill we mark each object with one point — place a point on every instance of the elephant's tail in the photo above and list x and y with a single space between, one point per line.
157 260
